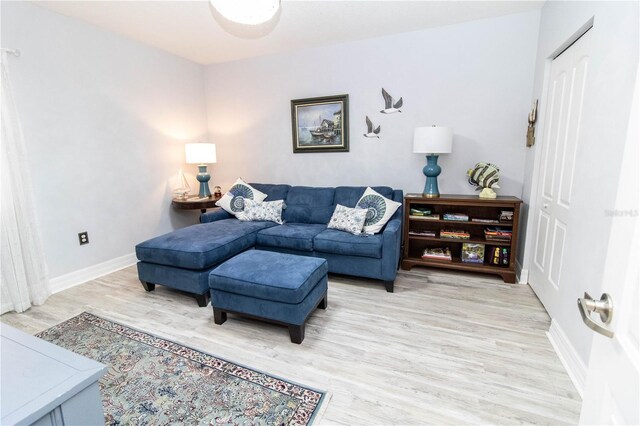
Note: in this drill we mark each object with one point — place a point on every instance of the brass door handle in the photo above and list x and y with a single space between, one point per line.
604 307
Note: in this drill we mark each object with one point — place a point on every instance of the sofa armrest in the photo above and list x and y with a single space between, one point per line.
391 244
215 214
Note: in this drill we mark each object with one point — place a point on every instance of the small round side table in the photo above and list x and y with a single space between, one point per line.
195 202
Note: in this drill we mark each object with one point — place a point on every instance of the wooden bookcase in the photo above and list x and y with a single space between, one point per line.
474 207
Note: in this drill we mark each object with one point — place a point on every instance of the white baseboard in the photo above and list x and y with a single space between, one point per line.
81 276
522 274
568 356
6 307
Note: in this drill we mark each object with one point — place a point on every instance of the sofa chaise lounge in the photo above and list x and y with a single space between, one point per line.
183 259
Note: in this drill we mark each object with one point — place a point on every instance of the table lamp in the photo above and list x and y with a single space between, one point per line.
201 154
432 141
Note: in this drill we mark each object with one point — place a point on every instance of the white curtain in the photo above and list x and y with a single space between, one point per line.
23 279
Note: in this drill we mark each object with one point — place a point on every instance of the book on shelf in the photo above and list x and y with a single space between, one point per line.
437 253
472 253
423 233
455 234
418 211
506 216
480 220
459 217
497 234
432 216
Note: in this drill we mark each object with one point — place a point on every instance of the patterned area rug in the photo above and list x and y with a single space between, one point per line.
153 381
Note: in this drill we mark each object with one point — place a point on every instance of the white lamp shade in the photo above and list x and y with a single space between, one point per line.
432 140
200 153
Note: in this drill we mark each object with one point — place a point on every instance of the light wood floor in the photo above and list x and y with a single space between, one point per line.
445 348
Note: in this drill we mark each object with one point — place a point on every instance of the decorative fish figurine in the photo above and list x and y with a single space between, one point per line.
485 176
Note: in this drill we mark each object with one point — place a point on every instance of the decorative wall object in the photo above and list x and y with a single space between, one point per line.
320 124
533 116
485 177
371 132
389 106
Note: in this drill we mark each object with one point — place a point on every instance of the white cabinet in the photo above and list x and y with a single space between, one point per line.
44 384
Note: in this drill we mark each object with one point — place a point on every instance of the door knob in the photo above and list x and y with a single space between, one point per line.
604 307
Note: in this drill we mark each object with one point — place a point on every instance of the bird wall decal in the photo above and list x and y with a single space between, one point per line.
389 106
371 132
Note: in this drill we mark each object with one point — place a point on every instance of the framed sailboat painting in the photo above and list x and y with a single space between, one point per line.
320 124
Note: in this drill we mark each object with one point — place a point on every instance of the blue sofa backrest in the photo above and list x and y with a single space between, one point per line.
309 204
306 204
349 196
274 192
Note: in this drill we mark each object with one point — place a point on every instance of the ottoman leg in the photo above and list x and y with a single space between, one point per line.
296 332
323 303
148 286
203 299
219 317
389 286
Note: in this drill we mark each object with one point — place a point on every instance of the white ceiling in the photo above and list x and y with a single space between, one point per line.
189 29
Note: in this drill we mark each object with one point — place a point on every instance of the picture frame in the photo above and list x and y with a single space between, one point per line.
320 124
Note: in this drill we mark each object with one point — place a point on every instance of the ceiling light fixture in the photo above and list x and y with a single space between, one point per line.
247 12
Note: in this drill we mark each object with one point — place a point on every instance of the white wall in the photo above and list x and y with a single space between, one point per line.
475 77
613 65
105 120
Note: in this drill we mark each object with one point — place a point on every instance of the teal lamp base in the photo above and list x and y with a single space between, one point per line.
203 177
431 171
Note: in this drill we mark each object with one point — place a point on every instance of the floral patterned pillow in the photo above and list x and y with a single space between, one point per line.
261 211
347 219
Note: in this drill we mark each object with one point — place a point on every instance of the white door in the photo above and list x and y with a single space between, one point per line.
560 142
612 392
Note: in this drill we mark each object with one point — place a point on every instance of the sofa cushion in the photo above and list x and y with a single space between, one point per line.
379 210
348 219
294 236
233 200
266 210
274 192
338 242
309 205
201 246
349 195
268 275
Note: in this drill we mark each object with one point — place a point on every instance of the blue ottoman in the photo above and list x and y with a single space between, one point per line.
183 259
276 287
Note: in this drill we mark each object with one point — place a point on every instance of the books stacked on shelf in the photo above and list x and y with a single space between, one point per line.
419 211
499 256
423 233
460 217
497 234
506 216
478 220
455 234
431 216
472 253
437 253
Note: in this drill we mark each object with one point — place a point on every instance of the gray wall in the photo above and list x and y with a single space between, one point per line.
476 77
105 120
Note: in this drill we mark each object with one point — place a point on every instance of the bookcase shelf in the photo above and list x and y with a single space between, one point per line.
473 207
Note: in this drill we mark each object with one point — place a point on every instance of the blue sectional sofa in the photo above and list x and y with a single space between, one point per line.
184 258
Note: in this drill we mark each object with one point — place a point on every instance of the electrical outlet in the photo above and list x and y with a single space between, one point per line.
83 237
